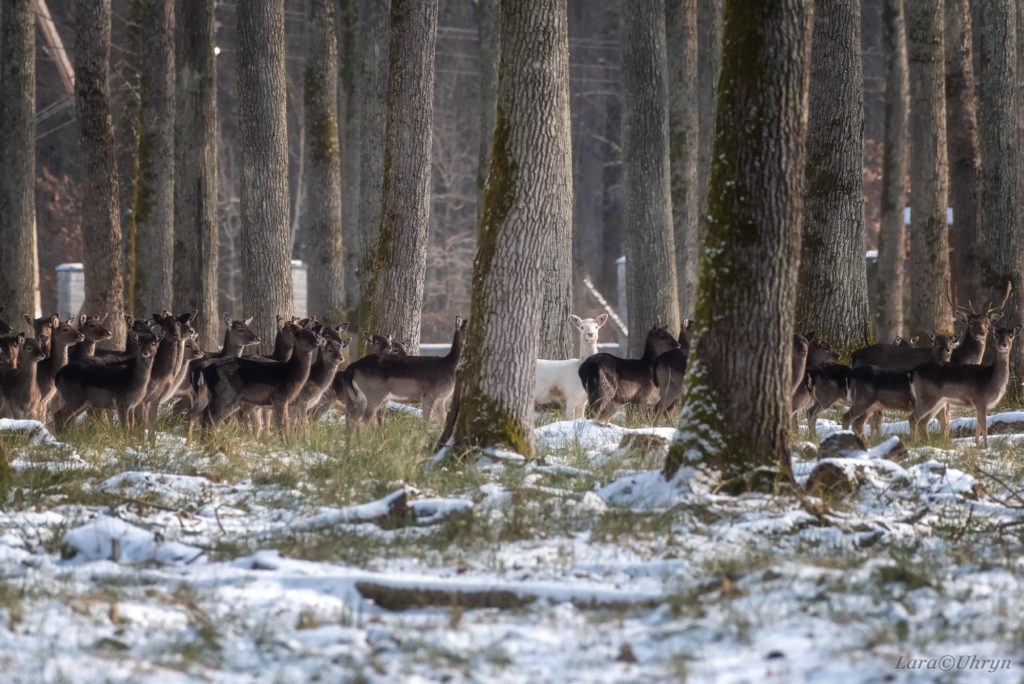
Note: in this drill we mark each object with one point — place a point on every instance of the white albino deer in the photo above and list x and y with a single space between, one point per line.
558 382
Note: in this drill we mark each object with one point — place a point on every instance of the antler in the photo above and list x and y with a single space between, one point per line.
1009 286
957 307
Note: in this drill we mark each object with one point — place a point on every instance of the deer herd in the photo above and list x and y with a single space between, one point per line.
60 372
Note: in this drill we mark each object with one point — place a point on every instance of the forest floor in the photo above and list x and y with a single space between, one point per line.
343 557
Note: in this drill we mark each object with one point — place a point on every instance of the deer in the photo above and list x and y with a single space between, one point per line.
62 336
900 341
8 352
669 369
612 381
873 388
232 382
94 331
933 385
115 384
18 387
323 371
372 380
237 336
166 364
43 327
557 381
819 352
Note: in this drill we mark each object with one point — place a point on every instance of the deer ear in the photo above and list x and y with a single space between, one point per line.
54 320
1016 330
344 342
186 317
249 320
29 319
914 339
342 329
227 319
458 322
602 319
368 337
898 341
102 317
931 337
956 338
995 316
158 332
575 320
82 319
21 338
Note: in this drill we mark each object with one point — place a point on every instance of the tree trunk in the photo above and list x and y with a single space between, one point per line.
832 293
101 225
709 63
929 171
196 238
684 142
401 257
18 271
154 200
1002 246
323 166
651 293
736 416
489 49
964 155
126 106
529 190
349 120
891 234
372 72
263 142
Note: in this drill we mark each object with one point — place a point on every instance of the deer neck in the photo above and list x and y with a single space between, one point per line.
970 351
282 348
587 349
453 353
85 348
230 348
300 363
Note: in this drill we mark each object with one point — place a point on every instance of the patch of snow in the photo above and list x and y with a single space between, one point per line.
108 538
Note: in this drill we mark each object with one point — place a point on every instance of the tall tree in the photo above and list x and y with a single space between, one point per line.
489 49
373 27
323 165
891 234
154 200
1001 242
263 141
196 239
401 257
709 63
101 221
126 105
833 293
348 129
684 142
530 182
651 293
929 170
19 286
963 149
736 416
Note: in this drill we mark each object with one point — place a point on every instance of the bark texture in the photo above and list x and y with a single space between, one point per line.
556 336
18 271
892 234
101 224
709 64
684 126
401 257
263 141
964 155
154 194
832 294
349 126
929 171
489 50
195 171
529 182
323 166
126 106
651 293
736 416
373 23
1002 244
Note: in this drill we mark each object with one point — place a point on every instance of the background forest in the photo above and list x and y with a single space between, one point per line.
594 50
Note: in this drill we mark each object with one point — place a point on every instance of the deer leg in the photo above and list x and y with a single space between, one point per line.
812 418
944 419
982 424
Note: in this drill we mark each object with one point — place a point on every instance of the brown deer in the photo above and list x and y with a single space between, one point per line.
43 327
372 380
166 364
612 381
322 373
63 335
819 353
118 384
8 352
933 385
873 389
669 370
233 382
18 386
900 341
94 331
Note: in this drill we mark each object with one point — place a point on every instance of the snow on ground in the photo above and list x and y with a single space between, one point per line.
581 565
